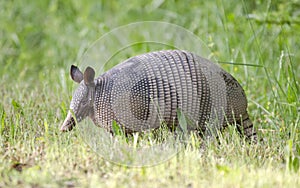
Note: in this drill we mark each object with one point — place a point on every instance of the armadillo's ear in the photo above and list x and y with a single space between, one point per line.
76 74
88 76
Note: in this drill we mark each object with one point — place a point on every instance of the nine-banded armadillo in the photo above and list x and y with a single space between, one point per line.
148 89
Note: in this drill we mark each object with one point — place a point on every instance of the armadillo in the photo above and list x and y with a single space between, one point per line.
146 90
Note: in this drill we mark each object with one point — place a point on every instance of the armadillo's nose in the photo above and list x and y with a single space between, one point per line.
69 123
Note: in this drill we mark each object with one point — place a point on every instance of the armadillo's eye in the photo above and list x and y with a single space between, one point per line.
85 101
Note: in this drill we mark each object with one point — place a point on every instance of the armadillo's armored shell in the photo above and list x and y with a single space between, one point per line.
147 89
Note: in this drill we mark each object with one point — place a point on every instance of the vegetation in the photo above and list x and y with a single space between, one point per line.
255 41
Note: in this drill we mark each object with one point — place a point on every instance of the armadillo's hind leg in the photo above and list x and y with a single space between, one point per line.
248 130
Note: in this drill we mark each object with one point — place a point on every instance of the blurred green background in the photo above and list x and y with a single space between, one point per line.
39 40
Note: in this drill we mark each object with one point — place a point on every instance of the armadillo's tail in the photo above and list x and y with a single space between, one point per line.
248 130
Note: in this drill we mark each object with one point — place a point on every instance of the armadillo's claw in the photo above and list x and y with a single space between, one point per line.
69 123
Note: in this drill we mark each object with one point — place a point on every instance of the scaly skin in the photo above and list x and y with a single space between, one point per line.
150 88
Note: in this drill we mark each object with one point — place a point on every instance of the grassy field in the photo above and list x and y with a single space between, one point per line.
39 40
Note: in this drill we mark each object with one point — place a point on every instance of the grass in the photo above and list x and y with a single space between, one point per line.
40 40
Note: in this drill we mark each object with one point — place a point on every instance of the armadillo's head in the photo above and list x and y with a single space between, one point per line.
83 97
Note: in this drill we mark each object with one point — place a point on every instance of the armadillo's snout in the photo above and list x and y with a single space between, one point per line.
69 123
